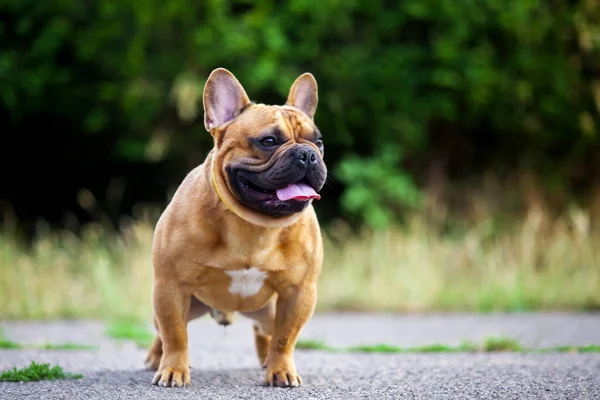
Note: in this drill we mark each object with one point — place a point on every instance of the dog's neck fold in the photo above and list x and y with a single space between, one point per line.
213 178
248 215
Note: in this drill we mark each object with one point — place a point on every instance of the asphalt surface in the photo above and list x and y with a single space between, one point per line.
225 367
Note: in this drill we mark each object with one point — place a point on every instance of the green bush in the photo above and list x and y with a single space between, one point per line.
512 82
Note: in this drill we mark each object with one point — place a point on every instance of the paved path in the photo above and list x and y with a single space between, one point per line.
224 364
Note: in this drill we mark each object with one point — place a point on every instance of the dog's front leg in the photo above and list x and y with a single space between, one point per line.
171 309
294 308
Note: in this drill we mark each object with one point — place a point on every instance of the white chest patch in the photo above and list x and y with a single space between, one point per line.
246 282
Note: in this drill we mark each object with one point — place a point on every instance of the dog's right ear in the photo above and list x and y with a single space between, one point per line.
224 98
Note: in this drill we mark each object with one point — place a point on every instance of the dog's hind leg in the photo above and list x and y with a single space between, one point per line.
197 309
264 323
155 351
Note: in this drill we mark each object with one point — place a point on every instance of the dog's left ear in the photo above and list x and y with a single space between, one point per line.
224 98
304 94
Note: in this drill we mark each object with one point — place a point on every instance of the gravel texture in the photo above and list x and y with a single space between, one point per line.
225 367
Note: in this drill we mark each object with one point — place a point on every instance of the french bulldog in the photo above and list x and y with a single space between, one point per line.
240 233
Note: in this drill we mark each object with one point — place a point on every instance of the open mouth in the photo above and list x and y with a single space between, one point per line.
299 191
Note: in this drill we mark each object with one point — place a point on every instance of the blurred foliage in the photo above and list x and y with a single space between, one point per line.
377 186
513 82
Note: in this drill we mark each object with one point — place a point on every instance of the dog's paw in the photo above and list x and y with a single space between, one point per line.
172 377
282 376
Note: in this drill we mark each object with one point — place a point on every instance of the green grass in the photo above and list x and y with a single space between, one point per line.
576 349
66 346
36 372
501 344
489 345
133 331
440 348
539 264
432 348
8 344
5 343
308 344
376 348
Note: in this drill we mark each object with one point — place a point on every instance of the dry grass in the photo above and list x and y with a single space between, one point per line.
536 266
97 276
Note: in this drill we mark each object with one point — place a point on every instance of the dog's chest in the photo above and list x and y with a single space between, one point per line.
242 289
246 282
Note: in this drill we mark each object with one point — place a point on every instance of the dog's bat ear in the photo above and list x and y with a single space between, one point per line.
224 98
304 94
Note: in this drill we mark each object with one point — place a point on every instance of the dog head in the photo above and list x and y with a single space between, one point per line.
267 162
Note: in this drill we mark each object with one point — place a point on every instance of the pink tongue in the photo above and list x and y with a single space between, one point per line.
297 191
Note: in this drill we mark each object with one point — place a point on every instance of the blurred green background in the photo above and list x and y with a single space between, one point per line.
462 139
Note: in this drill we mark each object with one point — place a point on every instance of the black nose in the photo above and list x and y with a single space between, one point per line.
306 156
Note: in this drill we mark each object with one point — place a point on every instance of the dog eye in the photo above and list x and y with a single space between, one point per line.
319 143
268 142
